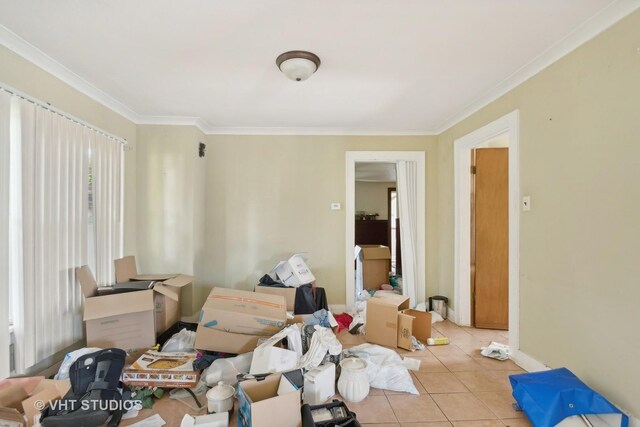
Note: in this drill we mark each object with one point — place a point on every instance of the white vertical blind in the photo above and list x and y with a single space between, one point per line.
408 213
47 223
106 163
5 118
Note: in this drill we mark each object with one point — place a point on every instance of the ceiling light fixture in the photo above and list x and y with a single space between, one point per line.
298 65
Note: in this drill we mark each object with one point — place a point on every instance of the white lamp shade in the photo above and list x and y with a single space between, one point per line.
298 69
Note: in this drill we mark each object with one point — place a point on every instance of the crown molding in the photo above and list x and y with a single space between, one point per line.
322 131
598 23
34 55
591 28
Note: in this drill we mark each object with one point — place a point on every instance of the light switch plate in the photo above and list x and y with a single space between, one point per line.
526 203
336 206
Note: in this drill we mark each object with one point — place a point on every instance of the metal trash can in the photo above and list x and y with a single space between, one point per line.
438 304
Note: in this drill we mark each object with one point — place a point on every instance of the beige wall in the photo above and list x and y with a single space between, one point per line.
270 196
372 197
21 74
579 269
171 201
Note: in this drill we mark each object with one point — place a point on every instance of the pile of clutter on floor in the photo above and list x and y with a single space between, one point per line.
262 353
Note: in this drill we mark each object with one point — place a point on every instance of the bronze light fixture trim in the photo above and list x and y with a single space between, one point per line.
298 65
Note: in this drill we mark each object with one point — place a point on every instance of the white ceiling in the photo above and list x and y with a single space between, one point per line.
388 66
375 172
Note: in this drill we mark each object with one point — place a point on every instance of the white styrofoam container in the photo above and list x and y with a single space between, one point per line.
319 384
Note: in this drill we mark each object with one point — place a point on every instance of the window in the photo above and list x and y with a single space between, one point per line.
64 204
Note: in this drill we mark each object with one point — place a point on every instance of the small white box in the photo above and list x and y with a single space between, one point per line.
294 271
319 384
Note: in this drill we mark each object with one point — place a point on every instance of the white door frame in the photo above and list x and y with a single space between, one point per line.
352 157
509 125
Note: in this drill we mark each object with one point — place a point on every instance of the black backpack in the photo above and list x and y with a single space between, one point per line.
94 395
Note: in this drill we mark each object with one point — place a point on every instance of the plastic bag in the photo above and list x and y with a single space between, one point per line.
69 358
385 368
495 350
322 341
181 341
227 369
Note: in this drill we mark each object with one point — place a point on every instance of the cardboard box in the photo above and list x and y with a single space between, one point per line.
167 369
243 312
376 265
123 321
226 342
294 271
18 397
391 323
259 404
289 294
167 288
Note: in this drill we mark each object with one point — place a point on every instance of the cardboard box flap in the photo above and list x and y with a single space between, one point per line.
12 396
12 415
29 384
118 304
87 282
179 280
125 268
405 323
400 301
375 252
48 390
232 299
168 291
154 277
421 328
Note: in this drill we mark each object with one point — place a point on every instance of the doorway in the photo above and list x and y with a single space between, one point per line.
416 162
506 129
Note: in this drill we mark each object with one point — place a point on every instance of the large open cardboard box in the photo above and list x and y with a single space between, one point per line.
259 404
124 320
18 397
376 264
390 322
167 288
233 321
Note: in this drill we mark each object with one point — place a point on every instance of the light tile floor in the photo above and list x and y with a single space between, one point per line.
458 387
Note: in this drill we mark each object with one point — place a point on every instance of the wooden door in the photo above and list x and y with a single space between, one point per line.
490 238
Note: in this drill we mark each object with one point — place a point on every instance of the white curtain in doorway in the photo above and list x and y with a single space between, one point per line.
407 178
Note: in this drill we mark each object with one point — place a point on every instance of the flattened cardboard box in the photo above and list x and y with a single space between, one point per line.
391 323
124 320
243 312
18 397
166 369
168 289
259 404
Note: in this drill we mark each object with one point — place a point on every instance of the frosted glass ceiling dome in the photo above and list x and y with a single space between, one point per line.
298 65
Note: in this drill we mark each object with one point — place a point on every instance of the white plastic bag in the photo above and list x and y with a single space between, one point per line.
495 350
181 341
385 368
69 358
227 369
323 340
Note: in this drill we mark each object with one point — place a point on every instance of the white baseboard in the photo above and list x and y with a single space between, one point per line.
527 362
337 308
451 315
